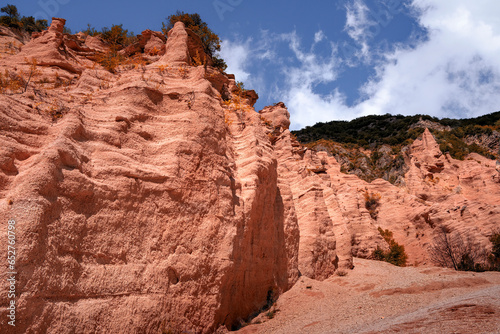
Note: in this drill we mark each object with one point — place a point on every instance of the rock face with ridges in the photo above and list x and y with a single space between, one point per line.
12 40
183 46
438 191
157 199
149 42
48 49
177 46
304 174
142 201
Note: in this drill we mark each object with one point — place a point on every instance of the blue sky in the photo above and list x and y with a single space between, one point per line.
339 59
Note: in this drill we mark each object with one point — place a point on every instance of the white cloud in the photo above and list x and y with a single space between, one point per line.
319 36
453 72
358 24
300 81
313 69
357 21
236 56
240 56
308 108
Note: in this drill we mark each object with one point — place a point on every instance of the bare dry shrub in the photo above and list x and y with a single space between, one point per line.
452 251
372 202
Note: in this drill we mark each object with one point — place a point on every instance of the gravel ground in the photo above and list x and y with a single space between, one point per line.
377 297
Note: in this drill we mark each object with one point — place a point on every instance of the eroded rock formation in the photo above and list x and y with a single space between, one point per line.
138 206
156 198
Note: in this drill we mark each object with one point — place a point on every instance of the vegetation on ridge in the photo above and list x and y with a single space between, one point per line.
374 146
117 37
374 131
13 19
210 40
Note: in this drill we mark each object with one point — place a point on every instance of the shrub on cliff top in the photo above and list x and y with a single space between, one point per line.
116 37
13 19
210 40
31 25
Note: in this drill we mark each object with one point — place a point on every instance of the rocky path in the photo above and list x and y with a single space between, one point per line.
377 297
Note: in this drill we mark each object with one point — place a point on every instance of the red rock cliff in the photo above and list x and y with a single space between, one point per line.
155 198
142 201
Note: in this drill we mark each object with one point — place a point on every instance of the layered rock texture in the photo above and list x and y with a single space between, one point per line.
156 199
375 146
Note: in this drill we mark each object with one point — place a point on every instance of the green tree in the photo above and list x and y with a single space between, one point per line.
11 11
29 24
210 40
12 19
117 37
41 25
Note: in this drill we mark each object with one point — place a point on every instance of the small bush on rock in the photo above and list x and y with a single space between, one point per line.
110 60
396 253
117 37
